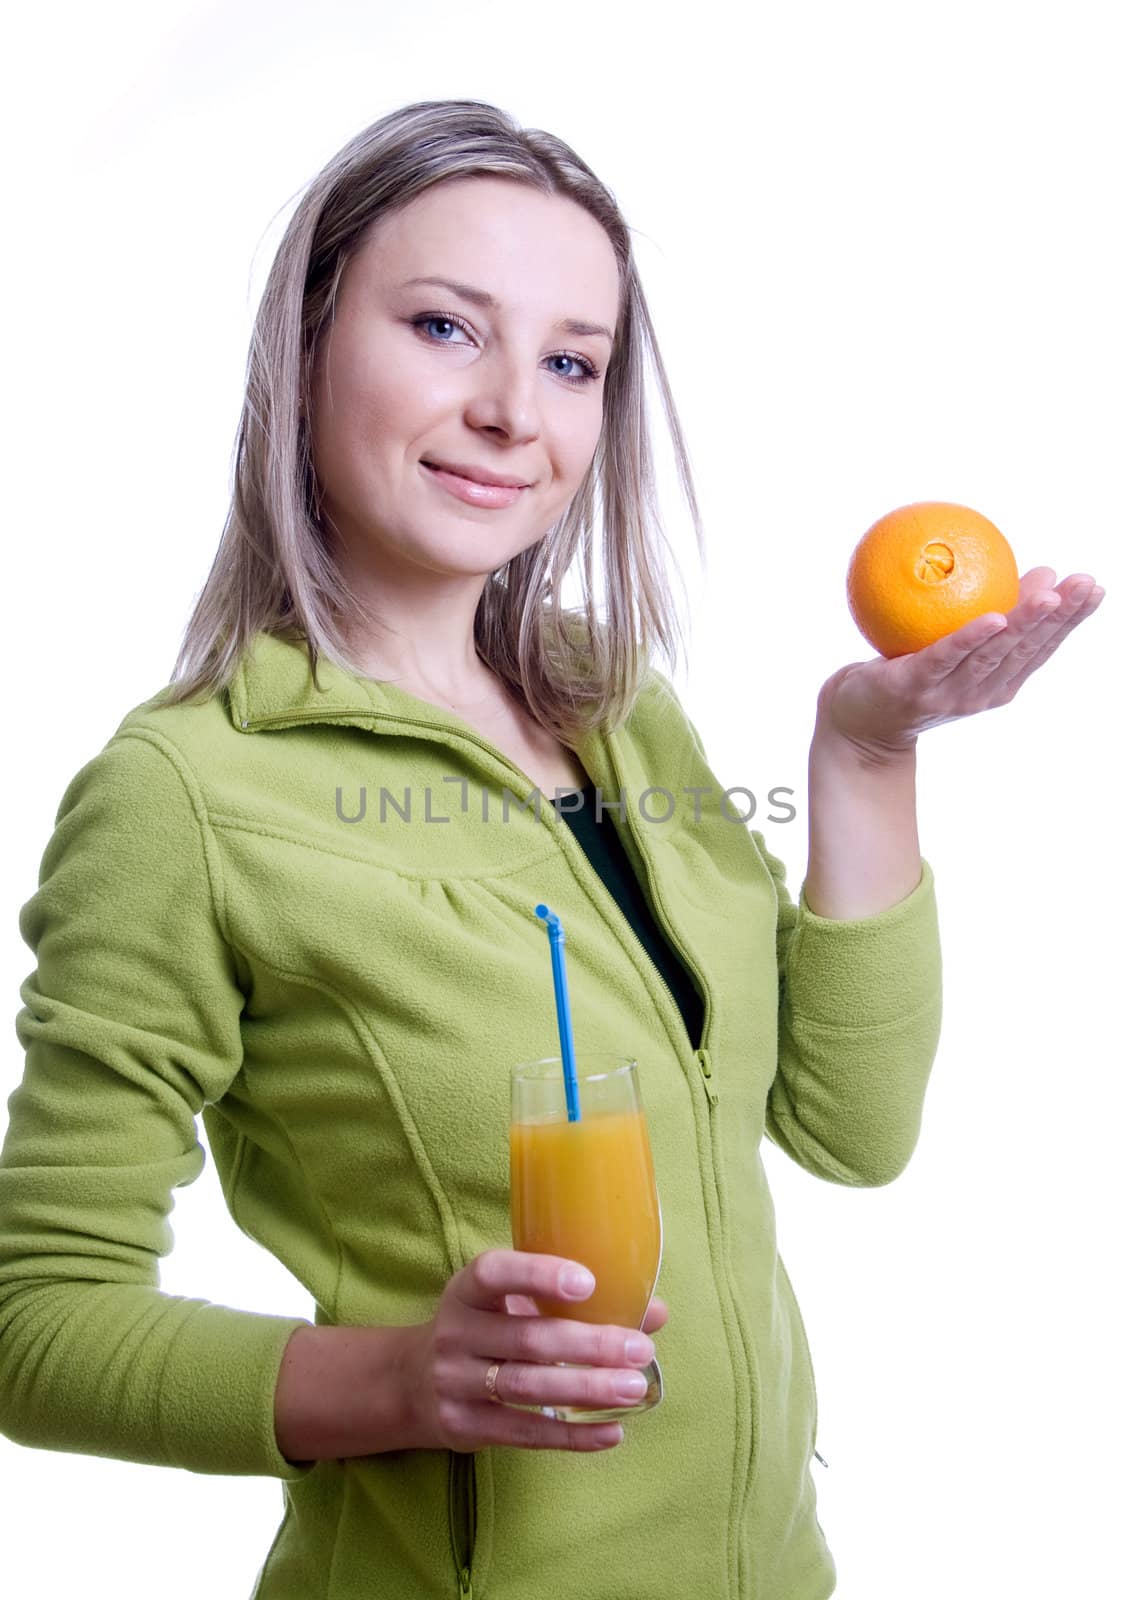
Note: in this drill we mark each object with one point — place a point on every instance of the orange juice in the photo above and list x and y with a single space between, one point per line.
586 1190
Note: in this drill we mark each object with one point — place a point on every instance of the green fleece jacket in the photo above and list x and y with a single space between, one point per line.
304 915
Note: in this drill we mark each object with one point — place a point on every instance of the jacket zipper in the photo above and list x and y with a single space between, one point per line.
462 1518
703 1062
703 1059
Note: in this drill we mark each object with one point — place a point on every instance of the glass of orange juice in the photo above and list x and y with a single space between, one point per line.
586 1190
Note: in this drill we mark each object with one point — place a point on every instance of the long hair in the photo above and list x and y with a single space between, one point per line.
275 570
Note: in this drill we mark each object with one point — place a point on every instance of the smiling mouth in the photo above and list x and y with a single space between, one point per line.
433 466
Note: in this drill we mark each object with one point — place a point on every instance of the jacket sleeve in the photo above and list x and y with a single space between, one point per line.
858 1024
130 1025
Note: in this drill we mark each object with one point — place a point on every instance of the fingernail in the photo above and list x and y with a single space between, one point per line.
577 1282
631 1385
639 1349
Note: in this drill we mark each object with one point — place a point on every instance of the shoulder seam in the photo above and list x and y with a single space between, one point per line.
211 857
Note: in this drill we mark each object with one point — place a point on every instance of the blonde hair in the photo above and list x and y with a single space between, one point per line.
274 569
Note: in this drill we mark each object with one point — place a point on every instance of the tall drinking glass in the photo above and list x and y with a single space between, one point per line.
586 1190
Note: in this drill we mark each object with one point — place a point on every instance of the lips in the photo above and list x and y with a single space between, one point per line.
493 496
497 480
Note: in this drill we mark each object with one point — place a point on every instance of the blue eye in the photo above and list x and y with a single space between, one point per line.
589 371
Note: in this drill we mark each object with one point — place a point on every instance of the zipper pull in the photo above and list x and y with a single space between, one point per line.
819 1458
466 1583
703 1058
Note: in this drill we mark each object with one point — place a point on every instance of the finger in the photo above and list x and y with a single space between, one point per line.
550 1339
1037 602
1023 643
487 1424
521 1305
940 659
521 1383
1036 580
655 1316
986 661
1047 648
1028 642
1049 626
980 649
487 1279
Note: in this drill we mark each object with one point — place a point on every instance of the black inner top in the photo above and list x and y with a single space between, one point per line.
607 856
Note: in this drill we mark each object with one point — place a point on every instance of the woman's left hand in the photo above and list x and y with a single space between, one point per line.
881 706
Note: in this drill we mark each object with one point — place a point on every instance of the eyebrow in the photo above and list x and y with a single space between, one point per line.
481 297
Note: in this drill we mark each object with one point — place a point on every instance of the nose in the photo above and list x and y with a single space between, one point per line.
504 397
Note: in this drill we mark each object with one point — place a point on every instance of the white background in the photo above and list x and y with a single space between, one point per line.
882 246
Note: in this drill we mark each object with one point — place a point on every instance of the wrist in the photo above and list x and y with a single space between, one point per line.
345 1391
831 749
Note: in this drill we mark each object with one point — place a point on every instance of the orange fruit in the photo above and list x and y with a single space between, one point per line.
925 570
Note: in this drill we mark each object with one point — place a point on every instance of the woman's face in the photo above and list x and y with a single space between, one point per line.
397 382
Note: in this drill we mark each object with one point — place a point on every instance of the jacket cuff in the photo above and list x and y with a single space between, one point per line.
217 1393
866 972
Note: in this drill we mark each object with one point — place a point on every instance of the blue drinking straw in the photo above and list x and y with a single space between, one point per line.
562 1007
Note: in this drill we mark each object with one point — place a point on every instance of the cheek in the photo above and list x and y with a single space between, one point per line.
364 385
581 444
355 417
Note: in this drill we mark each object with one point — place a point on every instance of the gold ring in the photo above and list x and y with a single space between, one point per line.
490 1377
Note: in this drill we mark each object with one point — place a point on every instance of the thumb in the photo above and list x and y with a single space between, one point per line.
655 1316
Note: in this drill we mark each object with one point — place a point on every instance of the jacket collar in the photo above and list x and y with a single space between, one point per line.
272 687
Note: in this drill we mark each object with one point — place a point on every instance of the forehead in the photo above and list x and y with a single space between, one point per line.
532 251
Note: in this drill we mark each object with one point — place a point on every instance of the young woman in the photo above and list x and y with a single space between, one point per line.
294 893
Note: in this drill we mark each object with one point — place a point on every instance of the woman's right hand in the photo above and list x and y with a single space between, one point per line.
486 1315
